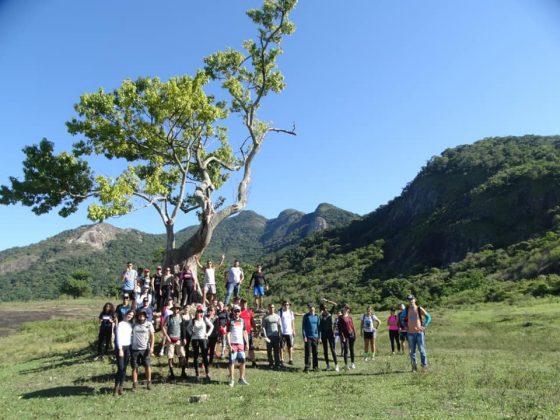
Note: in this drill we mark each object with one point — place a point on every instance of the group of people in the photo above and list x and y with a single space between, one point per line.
194 323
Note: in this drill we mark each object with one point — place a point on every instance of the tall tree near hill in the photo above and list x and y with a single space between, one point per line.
169 137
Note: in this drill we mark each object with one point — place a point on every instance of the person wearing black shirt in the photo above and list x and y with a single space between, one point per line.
259 285
327 332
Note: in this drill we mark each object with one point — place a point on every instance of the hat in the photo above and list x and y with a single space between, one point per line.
177 306
125 295
142 312
236 308
310 305
146 299
410 297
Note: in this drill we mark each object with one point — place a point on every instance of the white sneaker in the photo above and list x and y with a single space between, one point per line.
336 369
242 381
232 383
353 366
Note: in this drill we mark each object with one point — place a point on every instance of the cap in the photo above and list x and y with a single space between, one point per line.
310 305
410 297
236 308
142 312
125 295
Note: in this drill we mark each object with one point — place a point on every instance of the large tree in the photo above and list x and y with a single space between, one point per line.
168 138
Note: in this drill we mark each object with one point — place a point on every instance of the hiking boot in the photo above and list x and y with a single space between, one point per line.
242 381
149 385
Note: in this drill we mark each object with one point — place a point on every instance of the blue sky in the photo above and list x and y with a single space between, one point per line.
375 88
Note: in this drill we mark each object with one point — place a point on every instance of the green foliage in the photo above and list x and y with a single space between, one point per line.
78 285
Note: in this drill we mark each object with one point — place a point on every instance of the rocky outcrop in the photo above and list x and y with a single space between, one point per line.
96 236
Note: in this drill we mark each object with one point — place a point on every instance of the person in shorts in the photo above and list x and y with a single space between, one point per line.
368 327
209 287
237 339
172 333
259 285
142 347
287 318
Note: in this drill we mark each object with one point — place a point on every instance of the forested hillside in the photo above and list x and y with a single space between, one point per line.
101 251
473 218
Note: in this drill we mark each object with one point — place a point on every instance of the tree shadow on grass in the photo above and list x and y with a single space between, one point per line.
59 391
60 360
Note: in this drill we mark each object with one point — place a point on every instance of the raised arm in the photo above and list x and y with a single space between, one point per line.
221 261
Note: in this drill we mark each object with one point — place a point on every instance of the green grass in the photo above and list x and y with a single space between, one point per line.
486 361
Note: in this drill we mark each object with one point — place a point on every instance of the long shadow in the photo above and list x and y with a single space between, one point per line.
60 360
59 391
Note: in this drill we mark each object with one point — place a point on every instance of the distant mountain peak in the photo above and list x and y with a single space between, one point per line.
96 236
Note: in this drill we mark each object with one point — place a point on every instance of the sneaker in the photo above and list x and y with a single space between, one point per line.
305 370
291 362
414 368
208 379
160 354
232 383
315 369
366 359
327 368
134 386
336 369
242 381
149 385
116 391
171 377
345 367
254 364
353 366
120 391
184 375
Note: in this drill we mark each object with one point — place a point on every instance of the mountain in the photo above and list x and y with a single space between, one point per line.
492 201
37 271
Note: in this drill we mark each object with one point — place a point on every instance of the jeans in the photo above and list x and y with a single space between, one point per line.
415 339
232 288
122 363
328 341
311 350
273 348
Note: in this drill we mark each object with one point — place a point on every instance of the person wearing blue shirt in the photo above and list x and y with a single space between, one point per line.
311 337
416 319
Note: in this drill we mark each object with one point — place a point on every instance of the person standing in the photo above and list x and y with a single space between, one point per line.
172 333
188 285
287 318
123 337
156 286
368 328
416 320
167 285
393 323
311 337
327 333
123 308
236 339
200 328
142 347
249 317
272 330
128 278
106 323
402 328
259 285
209 288
347 335
234 279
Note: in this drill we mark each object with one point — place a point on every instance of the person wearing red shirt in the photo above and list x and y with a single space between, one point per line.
347 335
248 316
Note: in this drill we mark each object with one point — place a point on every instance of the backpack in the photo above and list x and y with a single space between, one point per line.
420 309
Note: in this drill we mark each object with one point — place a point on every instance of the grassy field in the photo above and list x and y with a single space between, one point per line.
486 361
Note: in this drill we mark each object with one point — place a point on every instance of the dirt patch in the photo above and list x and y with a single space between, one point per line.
14 317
